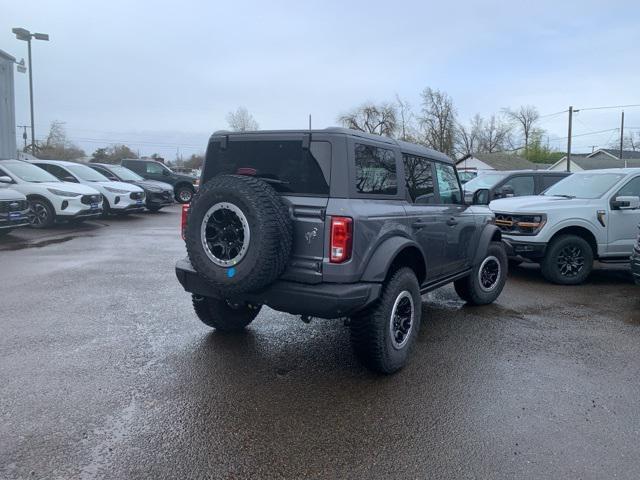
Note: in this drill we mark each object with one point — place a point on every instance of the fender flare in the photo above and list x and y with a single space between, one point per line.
384 255
486 236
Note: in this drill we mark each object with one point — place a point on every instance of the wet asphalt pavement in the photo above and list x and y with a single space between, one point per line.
105 372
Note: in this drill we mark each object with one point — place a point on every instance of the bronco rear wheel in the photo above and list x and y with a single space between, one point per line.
239 234
224 315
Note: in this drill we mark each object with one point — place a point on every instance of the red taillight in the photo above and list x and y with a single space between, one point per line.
341 239
183 221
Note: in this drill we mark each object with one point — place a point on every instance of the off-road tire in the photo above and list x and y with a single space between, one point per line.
470 288
181 194
371 335
549 265
270 238
50 212
223 315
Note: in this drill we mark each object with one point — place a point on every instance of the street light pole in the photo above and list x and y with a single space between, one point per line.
26 35
33 123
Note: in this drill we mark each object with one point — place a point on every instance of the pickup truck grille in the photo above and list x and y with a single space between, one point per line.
89 199
7 206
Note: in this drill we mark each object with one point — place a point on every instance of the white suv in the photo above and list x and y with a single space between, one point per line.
119 197
590 215
49 198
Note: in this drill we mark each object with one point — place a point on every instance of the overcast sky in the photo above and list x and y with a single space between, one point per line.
162 75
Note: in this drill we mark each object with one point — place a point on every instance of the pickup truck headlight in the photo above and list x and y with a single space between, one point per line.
116 190
62 193
520 224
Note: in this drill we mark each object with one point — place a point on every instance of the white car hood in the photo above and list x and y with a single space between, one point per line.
535 204
127 187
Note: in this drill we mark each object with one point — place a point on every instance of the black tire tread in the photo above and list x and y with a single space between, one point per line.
468 289
548 265
215 313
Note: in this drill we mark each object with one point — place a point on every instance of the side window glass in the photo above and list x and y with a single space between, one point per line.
448 184
154 169
375 170
549 180
521 186
106 173
631 189
418 174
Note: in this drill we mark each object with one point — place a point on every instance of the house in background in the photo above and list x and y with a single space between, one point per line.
601 158
482 162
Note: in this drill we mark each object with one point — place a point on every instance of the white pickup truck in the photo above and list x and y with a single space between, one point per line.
591 215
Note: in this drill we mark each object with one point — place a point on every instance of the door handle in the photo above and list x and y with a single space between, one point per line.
452 222
419 224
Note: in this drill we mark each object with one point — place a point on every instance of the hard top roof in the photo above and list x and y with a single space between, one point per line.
406 147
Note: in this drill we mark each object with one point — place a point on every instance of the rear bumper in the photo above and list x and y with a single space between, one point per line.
520 248
635 266
324 300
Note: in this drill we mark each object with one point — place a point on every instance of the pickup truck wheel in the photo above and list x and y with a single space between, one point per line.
224 315
239 234
487 279
184 194
568 260
383 334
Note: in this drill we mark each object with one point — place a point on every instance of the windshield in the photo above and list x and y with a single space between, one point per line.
484 180
86 173
584 185
29 173
124 173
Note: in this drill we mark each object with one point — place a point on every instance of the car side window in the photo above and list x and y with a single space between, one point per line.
631 189
418 173
548 180
521 185
375 170
448 185
106 173
154 169
59 172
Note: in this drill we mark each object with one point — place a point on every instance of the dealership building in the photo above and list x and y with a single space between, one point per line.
7 107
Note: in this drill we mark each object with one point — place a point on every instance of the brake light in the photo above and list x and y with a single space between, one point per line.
183 221
341 239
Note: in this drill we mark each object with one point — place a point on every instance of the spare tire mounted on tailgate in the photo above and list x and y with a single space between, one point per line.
239 234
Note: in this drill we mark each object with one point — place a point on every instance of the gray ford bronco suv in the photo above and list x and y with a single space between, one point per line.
335 223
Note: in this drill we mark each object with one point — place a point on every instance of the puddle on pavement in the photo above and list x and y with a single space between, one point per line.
44 243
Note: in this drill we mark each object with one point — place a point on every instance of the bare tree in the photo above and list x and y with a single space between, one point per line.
468 137
630 141
525 118
438 121
57 146
241 120
368 117
406 120
495 134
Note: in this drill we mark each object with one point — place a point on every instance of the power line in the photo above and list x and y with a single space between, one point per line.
610 106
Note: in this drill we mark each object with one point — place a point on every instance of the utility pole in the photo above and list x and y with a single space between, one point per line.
569 140
622 139
24 135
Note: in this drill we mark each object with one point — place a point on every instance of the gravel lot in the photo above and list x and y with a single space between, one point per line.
107 373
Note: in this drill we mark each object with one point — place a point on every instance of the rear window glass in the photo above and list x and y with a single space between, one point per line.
285 165
375 170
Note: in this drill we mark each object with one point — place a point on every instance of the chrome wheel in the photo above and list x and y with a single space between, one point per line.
38 214
489 274
225 234
570 261
402 319
185 195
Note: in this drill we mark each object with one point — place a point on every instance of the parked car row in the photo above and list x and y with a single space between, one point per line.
41 192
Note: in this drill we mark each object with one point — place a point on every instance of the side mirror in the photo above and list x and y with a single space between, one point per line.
480 197
625 202
5 179
69 178
507 191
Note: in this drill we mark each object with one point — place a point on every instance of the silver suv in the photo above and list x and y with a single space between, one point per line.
335 223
